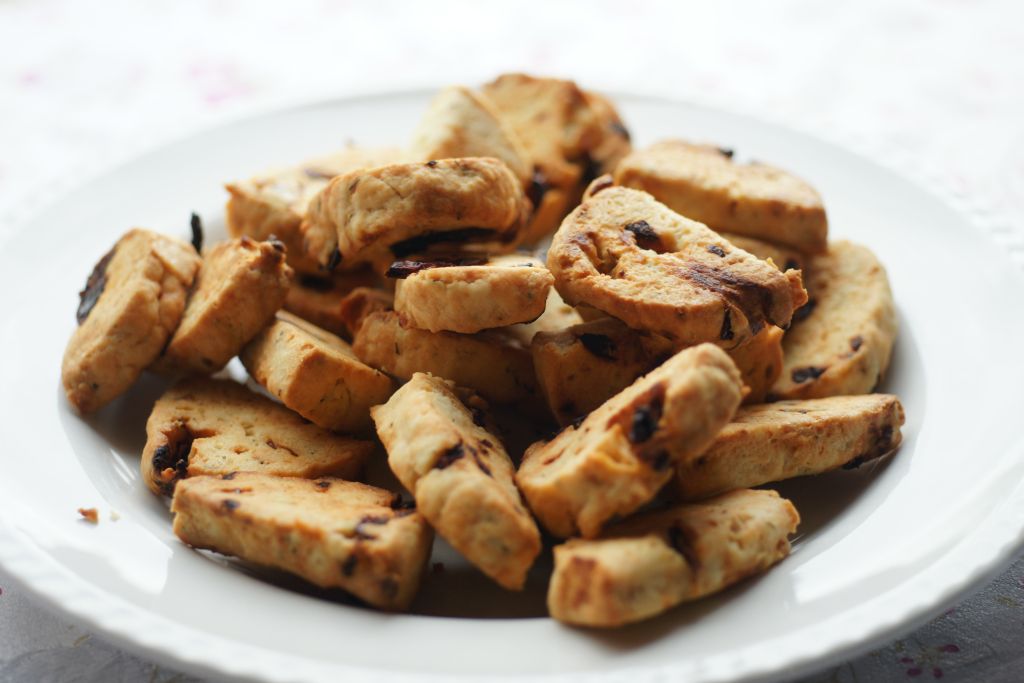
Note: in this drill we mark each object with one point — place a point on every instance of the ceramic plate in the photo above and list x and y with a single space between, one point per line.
880 548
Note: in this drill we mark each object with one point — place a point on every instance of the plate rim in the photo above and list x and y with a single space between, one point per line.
126 625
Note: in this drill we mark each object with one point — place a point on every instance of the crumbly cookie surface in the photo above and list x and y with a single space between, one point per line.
212 427
776 441
703 183
460 476
652 563
273 204
468 297
402 209
624 451
240 286
462 123
130 307
632 257
841 341
493 363
331 532
316 374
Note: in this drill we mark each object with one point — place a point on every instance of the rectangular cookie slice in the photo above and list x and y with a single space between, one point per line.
275 203
241 285
620 456
777 441
213 426
652 563
703 183
316 374
492 363
460 476
332 533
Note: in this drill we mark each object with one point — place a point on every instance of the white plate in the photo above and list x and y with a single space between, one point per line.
880 548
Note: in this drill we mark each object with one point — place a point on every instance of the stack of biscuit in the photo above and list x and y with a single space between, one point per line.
676 322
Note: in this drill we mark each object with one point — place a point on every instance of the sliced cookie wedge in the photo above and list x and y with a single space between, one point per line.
273 204
462 123
318 299
402 209
214 426
632 257
841 340
776 441
571 136
650 564
624 452
132 303
316 374
460 476
702 182
470 295
493 363
332 533
783 258
360 303
241 285
760 363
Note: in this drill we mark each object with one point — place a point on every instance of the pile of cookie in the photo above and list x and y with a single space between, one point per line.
676 322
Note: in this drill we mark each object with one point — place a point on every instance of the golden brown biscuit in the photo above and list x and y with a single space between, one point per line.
653 563
130 307
460 476
273 204
214 426
404 209
783 258
626 254
760 363
776 441
318 300
493 363
361 302
624 451
240 286
703 183
470 295
841 341
332 533
463 123
316 374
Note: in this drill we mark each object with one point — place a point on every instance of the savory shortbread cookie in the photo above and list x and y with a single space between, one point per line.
493 363
463 123
460 476
214 426
582 366
784 258
776 441
632 257
403 209
241 285
332 533
840 342
470 295
703 183
318 299
652 563
131 305
570 135
274 204
316 374
624 451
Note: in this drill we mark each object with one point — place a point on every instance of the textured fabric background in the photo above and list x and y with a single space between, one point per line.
940 82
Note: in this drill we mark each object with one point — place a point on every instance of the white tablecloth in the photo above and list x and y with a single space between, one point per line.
940 82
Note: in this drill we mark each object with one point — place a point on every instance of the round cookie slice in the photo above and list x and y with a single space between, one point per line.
625 253
470 295
841 340
131 304
403 209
